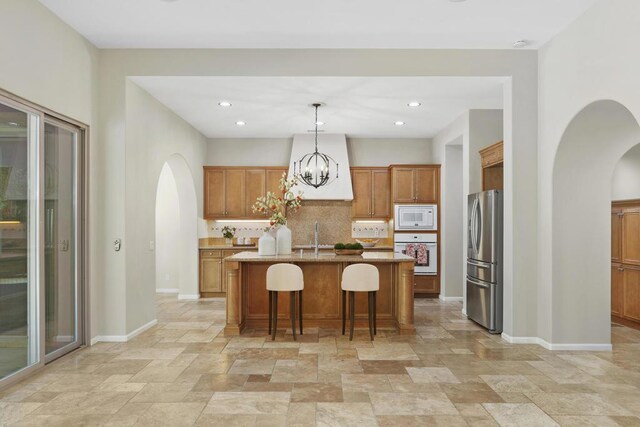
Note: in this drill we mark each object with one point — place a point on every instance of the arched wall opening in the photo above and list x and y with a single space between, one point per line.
176 230
593 143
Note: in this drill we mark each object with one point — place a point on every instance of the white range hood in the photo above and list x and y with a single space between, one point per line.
334 145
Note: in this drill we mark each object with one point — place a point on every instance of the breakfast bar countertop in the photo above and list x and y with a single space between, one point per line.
309 257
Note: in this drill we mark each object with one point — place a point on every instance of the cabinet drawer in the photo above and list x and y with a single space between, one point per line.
207 253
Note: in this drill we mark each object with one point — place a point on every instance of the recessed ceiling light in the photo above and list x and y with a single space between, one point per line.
518 44
399 123
319 123
414 104
224 104
240 123
12 124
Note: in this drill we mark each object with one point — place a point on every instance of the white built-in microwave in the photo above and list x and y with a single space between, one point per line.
416 217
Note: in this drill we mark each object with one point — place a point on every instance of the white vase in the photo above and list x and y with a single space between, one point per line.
266 244
283 240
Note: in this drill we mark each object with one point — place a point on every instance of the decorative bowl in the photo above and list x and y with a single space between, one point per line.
349 251
368 243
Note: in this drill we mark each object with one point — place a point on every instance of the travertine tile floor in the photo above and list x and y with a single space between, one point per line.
185 372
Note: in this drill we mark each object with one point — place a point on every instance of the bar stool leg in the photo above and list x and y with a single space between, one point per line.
370 314
344 310
275 316
270 310
352 309
300 310
292 303
375 313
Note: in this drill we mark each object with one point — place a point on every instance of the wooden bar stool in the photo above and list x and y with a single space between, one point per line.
284 277
360 278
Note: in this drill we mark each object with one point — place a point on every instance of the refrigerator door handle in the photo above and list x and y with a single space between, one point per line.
479 263
478 229
473 227
477 283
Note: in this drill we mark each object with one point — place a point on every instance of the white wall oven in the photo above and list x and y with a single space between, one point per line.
416 217
421 246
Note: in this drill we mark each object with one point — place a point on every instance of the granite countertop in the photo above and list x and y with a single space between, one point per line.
382 257
207 246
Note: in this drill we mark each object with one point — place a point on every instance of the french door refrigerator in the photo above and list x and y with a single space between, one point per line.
484 260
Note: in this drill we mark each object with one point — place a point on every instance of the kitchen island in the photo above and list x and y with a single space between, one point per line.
247 296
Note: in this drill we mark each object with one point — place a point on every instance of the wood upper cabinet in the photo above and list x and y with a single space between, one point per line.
214 198
617 296
631 236
415 184
231 192
371 193
254 187
234 189
492 159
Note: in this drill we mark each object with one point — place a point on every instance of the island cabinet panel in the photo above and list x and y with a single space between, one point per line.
384 299
322 287
258 297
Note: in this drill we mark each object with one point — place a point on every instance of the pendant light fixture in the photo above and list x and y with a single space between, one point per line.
314 169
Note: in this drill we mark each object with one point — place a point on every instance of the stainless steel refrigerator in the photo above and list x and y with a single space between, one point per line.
484 260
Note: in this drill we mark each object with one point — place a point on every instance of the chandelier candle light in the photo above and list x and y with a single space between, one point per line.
313 169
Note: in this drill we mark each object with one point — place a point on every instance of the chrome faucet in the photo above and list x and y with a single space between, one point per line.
315 234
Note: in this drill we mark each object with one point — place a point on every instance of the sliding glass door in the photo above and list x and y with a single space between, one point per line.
19 258
62 297
41 268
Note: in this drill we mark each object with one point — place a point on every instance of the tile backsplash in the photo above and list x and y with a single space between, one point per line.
334 221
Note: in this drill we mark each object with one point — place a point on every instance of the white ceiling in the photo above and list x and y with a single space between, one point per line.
361 107
474 24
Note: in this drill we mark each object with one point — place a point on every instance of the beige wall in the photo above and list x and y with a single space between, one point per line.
277 152
626 177
48 63
594 59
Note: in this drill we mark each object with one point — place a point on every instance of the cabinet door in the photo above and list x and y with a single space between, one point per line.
631 237
631 293
254 188
616 234
210 274
427 182
381 195
234 185
273 179
214 193
426 285
362 188
617 295
403 185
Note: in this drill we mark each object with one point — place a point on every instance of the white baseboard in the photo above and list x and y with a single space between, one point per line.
167 291
464 311
188 297
556 347
124 338
450 299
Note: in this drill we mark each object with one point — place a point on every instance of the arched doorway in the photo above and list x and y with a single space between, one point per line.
590 148
177 230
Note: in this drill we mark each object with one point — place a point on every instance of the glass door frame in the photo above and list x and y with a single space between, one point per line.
77 239
36 193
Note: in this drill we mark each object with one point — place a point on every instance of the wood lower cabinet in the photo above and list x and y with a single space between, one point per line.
212 271
427 285
625 262
371 193
419 184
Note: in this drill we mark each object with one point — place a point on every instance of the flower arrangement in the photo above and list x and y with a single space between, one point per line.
277 205
228 232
